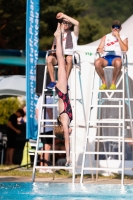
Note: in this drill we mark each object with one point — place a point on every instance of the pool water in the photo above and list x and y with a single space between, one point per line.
61 191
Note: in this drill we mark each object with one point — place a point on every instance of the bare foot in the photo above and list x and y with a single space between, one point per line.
58 31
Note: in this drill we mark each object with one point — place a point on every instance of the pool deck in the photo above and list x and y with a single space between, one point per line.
64 180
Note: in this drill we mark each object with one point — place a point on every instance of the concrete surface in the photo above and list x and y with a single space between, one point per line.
64 180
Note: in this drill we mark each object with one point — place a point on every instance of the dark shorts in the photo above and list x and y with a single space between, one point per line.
47 140
110 58
52 54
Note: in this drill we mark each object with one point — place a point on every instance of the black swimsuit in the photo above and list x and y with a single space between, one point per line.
67 105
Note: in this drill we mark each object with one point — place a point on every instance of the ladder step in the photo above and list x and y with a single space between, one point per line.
108 137
98 168
107 106
115 121
105 126
48 120
50 151
106 91
49 105
47 136
115 99
50 136
105 153
108 140
52 90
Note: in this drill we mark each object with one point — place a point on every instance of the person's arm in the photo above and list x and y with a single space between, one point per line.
9 124
101 45
124 43
70 19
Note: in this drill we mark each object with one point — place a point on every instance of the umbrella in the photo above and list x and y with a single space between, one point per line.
12 85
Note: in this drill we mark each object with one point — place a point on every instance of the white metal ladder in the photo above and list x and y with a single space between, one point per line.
100 123
41 122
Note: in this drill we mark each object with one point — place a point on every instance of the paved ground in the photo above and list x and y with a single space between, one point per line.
64 180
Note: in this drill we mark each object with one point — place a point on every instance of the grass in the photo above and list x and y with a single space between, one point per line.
27 172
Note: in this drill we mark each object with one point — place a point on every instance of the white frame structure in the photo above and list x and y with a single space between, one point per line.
42 121
119 123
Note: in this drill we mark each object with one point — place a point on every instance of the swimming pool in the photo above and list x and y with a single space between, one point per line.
61 191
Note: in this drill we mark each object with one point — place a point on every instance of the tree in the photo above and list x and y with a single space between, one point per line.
12 24
95 18
48 21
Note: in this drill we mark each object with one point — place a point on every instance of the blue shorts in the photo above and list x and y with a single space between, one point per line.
110 58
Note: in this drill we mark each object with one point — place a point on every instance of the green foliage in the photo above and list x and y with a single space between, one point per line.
90 30
7 107
12 24
95 18
48 21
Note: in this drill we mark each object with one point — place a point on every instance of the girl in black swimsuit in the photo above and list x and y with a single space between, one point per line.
67 105
61 89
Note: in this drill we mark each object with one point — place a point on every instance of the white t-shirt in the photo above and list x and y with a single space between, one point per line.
112 46
74 40
49 100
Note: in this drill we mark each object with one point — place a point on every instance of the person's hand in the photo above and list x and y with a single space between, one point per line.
116 33
60 15
18 131
100 50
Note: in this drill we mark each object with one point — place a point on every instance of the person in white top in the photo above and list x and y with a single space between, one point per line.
111 46
69 42
48 130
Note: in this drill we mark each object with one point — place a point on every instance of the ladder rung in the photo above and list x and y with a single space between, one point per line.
115 121
50 151
50 105
107 106
48 125
105 153
48 120
106 140
114 99
50 136
98 168
47 136
53 167
104 91
105 126
108 137
52 90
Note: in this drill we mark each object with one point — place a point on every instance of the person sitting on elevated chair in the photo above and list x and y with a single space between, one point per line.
69 40
112 45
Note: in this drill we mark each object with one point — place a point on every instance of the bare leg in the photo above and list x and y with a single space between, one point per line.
51 61
11 153
62 76
41 157
68 65
7 157
46 155
117 63
62 85
100 63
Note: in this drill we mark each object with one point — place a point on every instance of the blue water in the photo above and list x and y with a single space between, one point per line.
61 191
